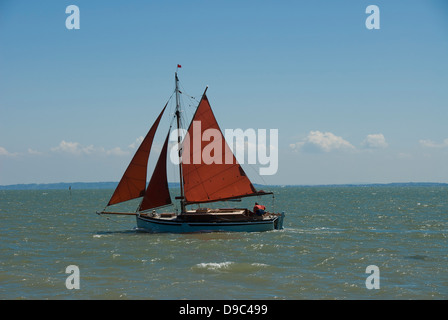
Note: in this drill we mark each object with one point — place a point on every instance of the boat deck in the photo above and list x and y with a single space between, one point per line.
211 215
210 220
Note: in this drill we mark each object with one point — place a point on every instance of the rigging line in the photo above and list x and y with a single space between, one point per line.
172 106
191 103
189 112
256 172
171 96
187 94
155 208
172 120
108 218
169 99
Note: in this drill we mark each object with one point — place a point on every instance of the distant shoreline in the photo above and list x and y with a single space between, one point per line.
112 185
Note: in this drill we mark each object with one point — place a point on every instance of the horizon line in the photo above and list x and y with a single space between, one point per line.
68 184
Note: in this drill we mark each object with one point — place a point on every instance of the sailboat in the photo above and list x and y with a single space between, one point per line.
201 182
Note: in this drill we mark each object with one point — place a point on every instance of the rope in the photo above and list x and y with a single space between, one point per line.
98 213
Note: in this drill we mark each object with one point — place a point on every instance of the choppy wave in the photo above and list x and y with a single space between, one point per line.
214 265
229 266
331 235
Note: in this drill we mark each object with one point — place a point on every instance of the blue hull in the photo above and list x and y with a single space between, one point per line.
157 225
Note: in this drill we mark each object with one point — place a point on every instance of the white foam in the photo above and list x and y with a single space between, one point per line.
214 265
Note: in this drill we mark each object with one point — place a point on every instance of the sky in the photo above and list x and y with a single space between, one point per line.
351 104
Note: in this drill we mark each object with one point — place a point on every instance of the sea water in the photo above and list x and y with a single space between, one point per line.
331 235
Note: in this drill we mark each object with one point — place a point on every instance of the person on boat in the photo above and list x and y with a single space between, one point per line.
259 209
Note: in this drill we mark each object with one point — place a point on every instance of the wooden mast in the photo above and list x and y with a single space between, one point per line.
179 138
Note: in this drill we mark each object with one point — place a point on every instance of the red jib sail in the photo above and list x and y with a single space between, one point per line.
133 183
205 180
158 194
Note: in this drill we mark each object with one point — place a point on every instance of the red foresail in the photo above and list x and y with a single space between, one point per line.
132 184
210 170
158 194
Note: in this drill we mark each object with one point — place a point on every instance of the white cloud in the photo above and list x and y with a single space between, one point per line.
375 141
432 144
4 152
72 148
117 152
404 155
76 148
136 143
322 141
34 152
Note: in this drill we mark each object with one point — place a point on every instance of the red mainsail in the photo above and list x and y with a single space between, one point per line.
222 179
158 194
133 183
